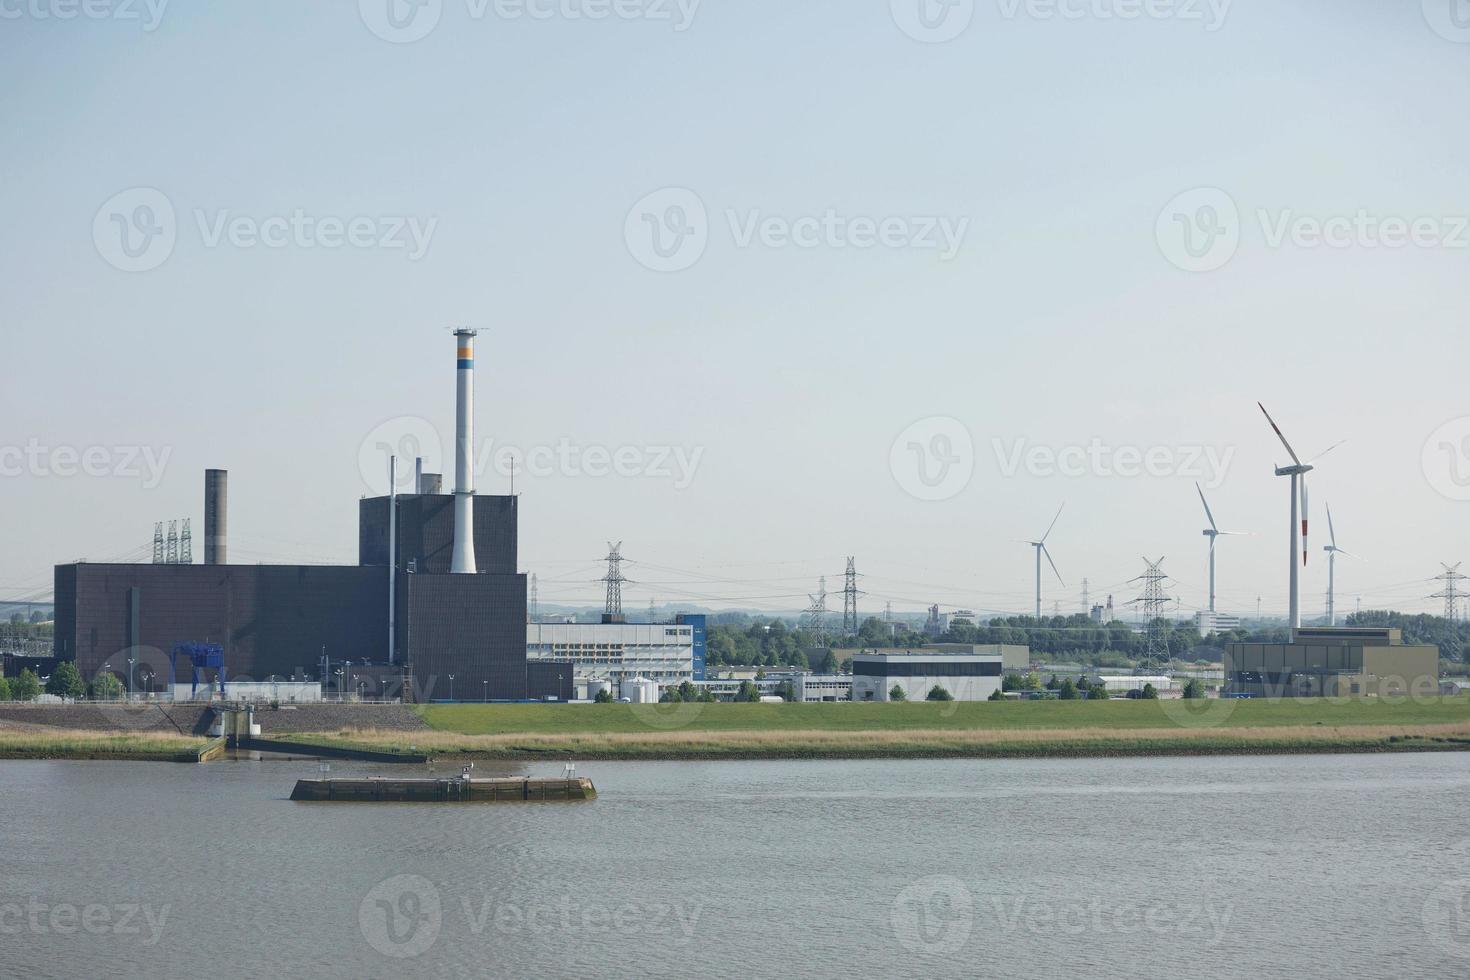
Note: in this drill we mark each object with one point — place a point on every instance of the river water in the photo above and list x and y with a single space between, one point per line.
1290 867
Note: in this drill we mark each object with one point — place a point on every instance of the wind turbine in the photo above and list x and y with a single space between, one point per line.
1332 552
1298 472
1212 532
1040 547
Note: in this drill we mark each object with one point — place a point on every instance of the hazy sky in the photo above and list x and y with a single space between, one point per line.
796 266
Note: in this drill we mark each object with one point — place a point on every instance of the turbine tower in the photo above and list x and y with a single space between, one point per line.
1332 552
1041 549
1298 472
1212 532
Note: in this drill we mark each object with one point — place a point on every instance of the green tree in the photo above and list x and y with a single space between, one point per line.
1055 685
938 693
1031 683
1194 689
604 696
996 695
1150 693
4 689
106 687
787 690
748 692
1011 682
897 693
1067 690
65 681
26 687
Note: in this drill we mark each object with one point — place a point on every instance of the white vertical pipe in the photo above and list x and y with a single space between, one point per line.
392 552
463 560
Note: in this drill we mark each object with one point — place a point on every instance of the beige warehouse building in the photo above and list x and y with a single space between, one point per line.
1332 662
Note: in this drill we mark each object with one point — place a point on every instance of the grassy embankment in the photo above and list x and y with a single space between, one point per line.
69 744
989 730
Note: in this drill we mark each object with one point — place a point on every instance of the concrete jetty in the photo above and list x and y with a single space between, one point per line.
500 789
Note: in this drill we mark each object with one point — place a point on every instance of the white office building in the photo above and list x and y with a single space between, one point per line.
616 653
967 677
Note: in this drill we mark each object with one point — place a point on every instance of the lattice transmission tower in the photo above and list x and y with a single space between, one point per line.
186 545
1451 593
849 600
158 543
1153 602
613 611
815 620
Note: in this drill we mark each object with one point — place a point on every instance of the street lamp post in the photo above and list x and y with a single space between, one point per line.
131 661
485 685
339 683
451 687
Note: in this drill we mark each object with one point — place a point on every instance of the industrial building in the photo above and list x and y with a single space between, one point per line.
1015 657
615 653
1332 662
434 609
968 677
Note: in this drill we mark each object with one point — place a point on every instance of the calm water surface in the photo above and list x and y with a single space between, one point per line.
1335 866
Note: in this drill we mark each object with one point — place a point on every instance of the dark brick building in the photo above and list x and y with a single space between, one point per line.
281 620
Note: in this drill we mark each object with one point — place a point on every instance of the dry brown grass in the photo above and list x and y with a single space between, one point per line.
44 742
918 742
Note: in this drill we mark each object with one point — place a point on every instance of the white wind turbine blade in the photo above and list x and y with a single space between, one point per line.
1290 452
1052 525
1053 565
1326 451
1331 532
1211 516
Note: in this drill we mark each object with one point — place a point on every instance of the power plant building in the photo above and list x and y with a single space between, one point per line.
457 608
1332 662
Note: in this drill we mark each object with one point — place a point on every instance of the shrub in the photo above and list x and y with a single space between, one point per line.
938 693
996 695
897 694
604 696
1150 693
1194 690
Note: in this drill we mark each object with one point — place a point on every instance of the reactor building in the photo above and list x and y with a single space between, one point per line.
434 609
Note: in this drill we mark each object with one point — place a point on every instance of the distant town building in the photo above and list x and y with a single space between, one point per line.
1207 622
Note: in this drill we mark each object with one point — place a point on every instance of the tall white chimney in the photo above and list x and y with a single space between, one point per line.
463 560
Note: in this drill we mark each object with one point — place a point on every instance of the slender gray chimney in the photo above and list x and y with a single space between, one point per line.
216 517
